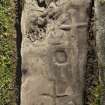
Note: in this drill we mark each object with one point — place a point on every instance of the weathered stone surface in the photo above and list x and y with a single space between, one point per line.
54 49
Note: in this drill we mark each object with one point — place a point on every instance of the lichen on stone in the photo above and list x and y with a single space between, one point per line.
102 2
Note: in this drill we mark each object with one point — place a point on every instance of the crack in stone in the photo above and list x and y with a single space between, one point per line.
92 71
18 7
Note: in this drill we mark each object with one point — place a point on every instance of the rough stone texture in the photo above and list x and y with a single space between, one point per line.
54 51
100 41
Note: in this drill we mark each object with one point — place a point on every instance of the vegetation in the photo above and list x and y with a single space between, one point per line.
97 95
6 52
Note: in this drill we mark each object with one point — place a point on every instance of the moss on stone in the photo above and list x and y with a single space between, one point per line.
97 95
102 2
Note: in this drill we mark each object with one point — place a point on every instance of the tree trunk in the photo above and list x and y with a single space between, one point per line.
54 51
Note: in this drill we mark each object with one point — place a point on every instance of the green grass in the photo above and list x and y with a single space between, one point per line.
6 52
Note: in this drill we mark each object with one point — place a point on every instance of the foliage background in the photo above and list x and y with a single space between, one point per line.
7 52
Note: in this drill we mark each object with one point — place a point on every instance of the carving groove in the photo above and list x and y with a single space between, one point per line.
69 27
60 56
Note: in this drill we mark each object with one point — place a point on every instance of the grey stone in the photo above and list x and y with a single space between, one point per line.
54 51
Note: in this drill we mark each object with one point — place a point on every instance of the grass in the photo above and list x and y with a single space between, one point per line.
7 46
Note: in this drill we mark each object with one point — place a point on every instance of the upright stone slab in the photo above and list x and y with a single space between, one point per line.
54 49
